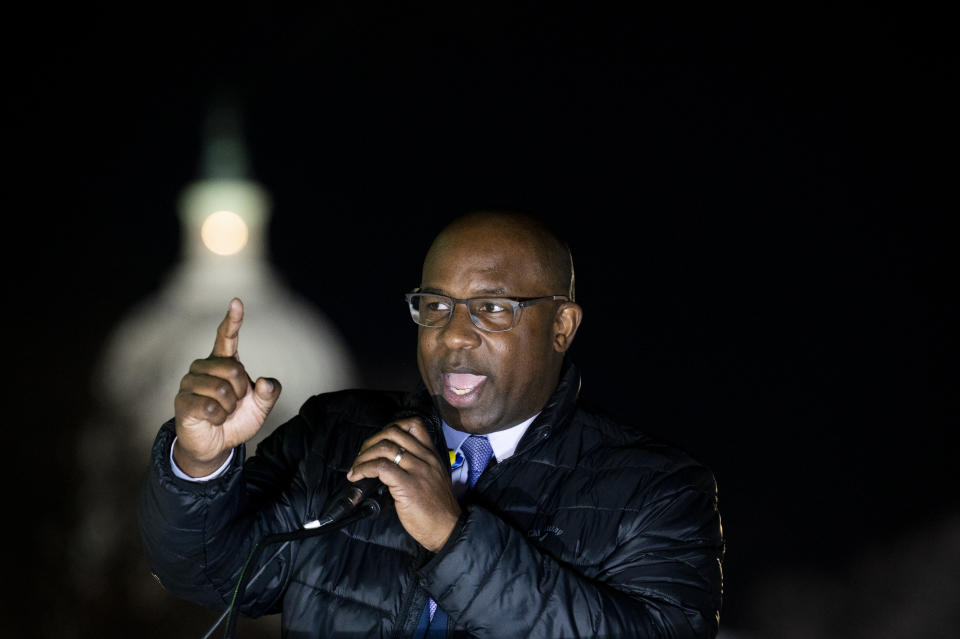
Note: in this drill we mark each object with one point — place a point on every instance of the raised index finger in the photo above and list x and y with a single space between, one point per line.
228 333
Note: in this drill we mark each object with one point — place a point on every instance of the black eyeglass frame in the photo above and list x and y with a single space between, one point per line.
516 303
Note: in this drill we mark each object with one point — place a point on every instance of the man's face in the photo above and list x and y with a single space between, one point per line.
484 382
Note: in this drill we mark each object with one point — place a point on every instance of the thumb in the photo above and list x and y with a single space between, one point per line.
266 392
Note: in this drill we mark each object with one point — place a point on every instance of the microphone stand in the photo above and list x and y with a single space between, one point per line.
367 509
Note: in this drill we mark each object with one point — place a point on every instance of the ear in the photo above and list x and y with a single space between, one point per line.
566 321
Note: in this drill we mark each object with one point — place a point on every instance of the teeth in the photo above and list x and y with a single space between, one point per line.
461 391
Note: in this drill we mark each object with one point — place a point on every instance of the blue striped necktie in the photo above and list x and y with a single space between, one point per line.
477 451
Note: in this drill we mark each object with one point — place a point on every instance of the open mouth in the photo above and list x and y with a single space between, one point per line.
462 389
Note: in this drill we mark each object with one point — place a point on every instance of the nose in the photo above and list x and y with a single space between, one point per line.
460 331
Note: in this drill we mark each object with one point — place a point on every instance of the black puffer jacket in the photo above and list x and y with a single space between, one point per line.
591 529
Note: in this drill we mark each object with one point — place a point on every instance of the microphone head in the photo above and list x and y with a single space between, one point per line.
374 494
370 508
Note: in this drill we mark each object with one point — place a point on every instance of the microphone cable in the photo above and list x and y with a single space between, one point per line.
369 508
360 501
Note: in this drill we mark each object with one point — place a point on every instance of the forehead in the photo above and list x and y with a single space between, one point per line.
484 261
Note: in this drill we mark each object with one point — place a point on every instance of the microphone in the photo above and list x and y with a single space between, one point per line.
361 499
370 494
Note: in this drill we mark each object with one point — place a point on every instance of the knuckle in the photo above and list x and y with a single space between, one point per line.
213 412
415 428
381 466
406 423
393 429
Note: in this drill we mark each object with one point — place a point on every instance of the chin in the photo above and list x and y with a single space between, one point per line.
462 420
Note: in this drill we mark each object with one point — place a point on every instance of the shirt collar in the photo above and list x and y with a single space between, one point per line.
504 442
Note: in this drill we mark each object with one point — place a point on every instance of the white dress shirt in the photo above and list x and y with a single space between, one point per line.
503 442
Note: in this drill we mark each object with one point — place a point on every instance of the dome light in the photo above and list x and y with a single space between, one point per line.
224 233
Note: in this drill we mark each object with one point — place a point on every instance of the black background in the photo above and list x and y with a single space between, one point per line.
758 204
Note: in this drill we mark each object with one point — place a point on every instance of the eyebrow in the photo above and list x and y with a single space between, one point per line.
497 292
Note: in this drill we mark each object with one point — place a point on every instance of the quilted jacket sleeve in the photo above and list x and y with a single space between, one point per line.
197 536
661 578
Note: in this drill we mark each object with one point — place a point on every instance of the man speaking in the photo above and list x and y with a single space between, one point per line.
517 512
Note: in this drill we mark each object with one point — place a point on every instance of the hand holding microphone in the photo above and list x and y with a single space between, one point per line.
403 458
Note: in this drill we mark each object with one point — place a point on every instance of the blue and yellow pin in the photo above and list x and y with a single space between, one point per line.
456 459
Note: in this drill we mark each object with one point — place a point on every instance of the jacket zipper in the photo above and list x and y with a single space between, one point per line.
403 619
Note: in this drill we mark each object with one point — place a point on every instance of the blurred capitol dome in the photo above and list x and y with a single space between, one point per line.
224 220
224 217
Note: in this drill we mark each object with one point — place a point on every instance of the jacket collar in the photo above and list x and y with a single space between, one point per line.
558 410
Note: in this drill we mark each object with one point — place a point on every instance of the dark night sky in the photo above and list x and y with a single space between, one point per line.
757 205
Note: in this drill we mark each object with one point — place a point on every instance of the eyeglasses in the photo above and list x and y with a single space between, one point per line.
491 314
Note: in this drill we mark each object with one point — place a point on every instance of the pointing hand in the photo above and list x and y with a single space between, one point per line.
219 406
